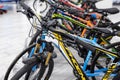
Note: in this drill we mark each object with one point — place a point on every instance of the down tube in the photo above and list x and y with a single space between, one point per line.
73 61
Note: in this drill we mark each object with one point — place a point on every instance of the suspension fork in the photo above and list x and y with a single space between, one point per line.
46 46
50 50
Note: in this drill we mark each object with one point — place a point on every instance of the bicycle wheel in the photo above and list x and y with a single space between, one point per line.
28 68
17 62
23 70
102 61
42 72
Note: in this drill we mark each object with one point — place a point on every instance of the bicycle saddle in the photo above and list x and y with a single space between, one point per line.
108 10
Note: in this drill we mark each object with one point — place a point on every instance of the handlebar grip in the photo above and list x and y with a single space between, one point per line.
29 11
19 11
26 7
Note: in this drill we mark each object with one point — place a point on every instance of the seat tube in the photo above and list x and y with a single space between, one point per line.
88 56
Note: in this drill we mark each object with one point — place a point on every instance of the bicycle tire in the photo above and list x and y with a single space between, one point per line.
96 57
49 71
15 61
18 57
23 70
42 71
28 68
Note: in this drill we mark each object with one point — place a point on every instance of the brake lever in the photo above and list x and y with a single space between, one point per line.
21 11
41 0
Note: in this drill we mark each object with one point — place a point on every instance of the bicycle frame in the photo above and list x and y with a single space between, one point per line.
58 15
87 22
62 15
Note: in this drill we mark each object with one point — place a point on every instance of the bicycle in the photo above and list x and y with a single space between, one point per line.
29 51
101 49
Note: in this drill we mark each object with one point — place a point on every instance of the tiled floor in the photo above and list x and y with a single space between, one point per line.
14 28
13 31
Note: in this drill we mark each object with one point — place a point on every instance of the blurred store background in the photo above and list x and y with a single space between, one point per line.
15 27
116 2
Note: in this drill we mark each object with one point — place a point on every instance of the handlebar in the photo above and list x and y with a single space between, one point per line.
27 10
